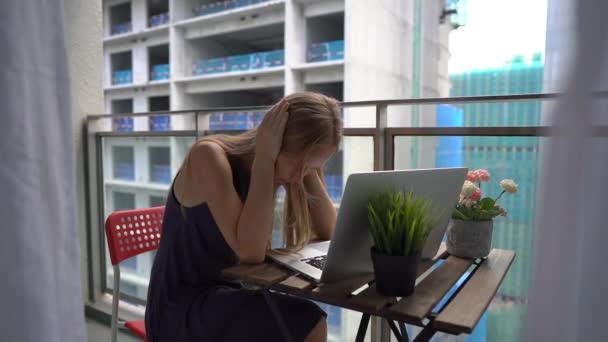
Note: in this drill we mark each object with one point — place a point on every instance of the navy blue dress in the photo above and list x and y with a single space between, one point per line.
189 301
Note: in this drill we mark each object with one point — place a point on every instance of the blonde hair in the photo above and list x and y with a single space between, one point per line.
313 119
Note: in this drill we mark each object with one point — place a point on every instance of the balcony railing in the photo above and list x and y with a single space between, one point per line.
502 134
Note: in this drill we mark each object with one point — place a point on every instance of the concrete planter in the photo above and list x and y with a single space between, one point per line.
469 239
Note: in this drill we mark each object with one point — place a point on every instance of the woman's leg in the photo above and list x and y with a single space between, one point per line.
244 315
319 332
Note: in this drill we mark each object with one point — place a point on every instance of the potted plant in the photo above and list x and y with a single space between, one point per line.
400 223
469 232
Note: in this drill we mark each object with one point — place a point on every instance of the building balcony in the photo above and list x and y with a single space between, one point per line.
137 166
215 18
235 80
132 37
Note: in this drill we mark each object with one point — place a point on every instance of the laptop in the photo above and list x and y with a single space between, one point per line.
348 253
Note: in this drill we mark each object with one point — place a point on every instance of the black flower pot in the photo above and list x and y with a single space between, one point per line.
395 274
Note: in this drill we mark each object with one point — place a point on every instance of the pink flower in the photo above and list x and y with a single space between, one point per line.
467 202
484 176
476 196
478 176
502 210
472 176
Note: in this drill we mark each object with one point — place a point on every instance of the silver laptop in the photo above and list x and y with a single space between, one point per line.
348 253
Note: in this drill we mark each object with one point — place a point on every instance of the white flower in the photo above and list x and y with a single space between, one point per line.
509 185
468 188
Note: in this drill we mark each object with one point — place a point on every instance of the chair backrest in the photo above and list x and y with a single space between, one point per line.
132 232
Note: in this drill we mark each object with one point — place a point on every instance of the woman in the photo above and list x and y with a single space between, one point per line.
220 212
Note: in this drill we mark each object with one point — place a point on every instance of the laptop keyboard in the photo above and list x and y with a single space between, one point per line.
318 262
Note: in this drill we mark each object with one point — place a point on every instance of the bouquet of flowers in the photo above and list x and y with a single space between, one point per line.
472 206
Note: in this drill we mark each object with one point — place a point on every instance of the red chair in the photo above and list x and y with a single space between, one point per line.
130 233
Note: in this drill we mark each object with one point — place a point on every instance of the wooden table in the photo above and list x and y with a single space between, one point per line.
459 314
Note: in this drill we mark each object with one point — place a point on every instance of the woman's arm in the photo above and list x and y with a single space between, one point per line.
246 227
207 177
322 210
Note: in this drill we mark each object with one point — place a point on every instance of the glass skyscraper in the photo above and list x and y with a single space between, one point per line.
506 157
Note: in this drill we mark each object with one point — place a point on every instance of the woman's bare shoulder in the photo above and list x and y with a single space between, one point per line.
206 167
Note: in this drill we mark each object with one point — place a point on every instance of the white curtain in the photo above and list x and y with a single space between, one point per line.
40 290
569 296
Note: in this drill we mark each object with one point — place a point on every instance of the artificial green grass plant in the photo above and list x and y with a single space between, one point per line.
400 222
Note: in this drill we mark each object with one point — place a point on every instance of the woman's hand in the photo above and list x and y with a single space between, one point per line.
270 132
310 174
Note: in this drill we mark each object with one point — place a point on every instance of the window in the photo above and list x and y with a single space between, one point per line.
325 38
120 19
151 156
160 164
158 61
158 12
159 122
157 201
123 124
123 200
122 68
128 289
123 162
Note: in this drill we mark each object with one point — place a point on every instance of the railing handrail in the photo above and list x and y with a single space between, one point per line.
393 102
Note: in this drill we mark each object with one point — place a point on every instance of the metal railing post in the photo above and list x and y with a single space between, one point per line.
380 161
380 330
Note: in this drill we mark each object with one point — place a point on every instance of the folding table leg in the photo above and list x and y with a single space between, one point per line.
400 333
362 327
426 334
403 329
277 315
